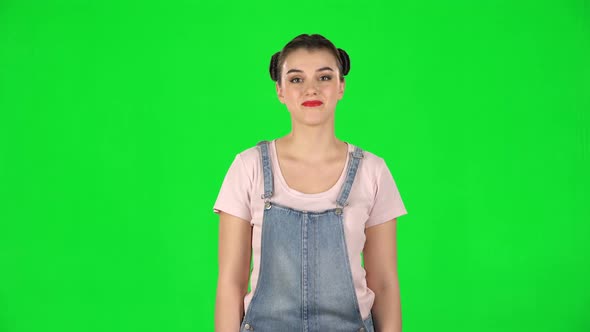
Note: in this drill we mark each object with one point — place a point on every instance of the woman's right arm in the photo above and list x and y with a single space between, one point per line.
235 245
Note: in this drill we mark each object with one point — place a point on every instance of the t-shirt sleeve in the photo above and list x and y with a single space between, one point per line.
388 203
234 195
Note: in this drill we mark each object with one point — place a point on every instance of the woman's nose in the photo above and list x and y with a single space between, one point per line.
311 88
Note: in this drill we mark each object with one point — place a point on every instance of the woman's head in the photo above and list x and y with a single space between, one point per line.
311 43
309 74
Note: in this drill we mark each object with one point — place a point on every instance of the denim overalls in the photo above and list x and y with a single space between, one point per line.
305 282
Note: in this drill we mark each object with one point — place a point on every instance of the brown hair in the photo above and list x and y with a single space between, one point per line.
308 42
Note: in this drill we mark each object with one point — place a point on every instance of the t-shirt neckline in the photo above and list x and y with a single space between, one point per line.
279 175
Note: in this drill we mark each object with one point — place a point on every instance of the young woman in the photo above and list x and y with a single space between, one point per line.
306 205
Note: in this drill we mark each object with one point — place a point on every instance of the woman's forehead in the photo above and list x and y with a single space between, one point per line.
309 59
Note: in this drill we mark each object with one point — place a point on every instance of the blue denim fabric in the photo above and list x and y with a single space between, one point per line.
305 281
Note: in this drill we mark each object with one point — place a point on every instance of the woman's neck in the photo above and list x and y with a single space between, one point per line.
311 146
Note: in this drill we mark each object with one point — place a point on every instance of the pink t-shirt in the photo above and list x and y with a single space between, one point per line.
373 199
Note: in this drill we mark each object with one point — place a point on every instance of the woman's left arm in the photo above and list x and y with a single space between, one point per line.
380 259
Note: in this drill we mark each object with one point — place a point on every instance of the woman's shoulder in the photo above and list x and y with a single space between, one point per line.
250 156
372 160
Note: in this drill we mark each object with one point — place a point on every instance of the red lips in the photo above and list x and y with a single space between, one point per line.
312 103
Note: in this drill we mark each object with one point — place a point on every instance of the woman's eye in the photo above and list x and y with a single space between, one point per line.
325 78
295 80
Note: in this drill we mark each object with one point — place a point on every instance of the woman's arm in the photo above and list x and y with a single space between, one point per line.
381 265
235 245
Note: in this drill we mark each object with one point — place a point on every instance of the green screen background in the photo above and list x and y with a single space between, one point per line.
119 119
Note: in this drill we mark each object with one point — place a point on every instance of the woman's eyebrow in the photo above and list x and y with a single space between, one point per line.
301 71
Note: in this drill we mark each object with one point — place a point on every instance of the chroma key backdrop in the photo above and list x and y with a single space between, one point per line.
119 120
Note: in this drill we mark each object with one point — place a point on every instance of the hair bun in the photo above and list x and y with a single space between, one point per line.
274 60
345 59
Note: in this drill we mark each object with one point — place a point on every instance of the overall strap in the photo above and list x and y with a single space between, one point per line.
266 169
353 165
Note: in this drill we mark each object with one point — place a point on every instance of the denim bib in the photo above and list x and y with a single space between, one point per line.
305 281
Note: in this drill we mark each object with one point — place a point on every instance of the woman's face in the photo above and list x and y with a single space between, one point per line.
310 76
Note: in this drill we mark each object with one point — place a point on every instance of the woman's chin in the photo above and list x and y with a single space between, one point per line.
311 115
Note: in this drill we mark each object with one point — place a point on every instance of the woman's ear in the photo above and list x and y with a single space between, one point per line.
341 90
280 92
